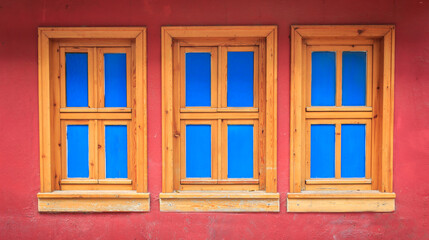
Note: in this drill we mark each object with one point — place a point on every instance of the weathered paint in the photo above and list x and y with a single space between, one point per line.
19 158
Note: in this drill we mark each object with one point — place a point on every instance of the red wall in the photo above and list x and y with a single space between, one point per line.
19 155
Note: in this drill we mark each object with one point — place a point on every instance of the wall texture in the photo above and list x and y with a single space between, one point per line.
19 162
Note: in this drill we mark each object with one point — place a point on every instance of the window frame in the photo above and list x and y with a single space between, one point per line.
378 115
218 200
117 197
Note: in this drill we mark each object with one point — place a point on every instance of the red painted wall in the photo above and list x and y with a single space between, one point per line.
19 155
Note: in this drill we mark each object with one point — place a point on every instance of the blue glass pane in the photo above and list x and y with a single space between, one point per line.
240 79
76 79
240 151
198 151
77 151
115 79
354 79
353 150
198 79
322 151
323 80
116 151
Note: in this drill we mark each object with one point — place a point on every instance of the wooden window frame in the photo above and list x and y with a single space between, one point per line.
111 195
343 195
215 200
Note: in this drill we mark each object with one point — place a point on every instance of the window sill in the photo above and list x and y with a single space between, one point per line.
341 201
231 201
93 201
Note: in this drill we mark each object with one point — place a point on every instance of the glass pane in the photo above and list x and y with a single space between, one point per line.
116 151
240 151
353 150
198 151
323 80
198 79
322 151
240 79
77 151
76 79
354 79
115 80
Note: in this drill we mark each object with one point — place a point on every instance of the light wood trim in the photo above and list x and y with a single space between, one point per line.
219 202
95 42
262 115
94 116
341 31
167 110
219 181
338 41
341 194
320 181
339 109
218 41
96 187
226 115
77 110
378 117
223 77
74 201
172 38
297 116
218 31
338 115
218 187
341 205
50 40
271 112
178 75
92 32
96 181
92 194
338 150
388 70
211 110
141 114
341 201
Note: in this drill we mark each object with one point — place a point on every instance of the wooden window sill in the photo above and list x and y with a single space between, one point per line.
93 201
225 201
341 201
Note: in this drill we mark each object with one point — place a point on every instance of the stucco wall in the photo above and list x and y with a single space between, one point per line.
19 161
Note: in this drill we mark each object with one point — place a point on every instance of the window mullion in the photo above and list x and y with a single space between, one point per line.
339 67
219 150
338 150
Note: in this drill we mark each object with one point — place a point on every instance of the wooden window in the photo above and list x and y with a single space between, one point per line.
341 119
92 91
219 124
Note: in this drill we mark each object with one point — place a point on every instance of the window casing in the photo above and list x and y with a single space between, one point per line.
92 91
341 119
219 118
